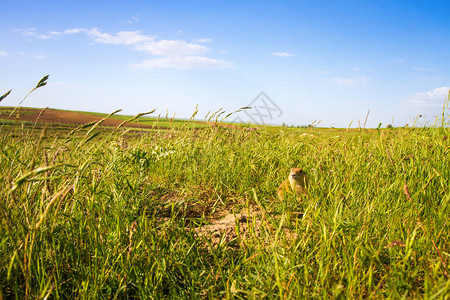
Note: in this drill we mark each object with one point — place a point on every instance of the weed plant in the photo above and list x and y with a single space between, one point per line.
92 214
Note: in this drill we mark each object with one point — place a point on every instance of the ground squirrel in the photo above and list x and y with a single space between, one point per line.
296 182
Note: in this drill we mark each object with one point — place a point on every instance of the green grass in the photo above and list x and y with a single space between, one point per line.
152 121
88 215
91 213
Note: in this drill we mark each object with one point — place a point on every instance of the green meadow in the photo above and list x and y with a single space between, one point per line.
92 214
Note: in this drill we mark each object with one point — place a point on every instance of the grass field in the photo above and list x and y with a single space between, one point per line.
58 117
115 215
182 213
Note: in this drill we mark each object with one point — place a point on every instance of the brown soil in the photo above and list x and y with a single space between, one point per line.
222 228
76 118
63 117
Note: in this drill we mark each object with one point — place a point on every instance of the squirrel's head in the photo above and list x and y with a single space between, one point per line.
297 174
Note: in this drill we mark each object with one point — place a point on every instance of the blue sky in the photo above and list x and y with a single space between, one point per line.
327 61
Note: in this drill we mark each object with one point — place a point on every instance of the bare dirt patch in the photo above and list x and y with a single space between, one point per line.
223 225
226 225
223 228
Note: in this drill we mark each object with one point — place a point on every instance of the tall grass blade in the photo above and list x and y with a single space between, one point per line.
41 83
133 119
5 95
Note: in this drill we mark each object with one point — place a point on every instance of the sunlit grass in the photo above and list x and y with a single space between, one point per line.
155 122
84 216
101 214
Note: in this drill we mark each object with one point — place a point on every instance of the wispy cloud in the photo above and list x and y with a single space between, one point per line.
172 48
204 40
120 38
31 31
133 20
182 63
44 37
431 98
30 55
148 43
282 54
356 69
3 53
178 54
350 82
322 72
68 31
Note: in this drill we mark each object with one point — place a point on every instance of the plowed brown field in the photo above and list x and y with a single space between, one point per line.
55 116
62 117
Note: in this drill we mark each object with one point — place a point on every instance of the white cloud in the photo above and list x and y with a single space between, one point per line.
53 34
74 30
38 56
423 69
359 81
183 63
172 48
322 72
120 38
223 51
142 42
178 54
68 31
432 98
4 53
133 20
44 37
26 31
282 54
205 40
356 69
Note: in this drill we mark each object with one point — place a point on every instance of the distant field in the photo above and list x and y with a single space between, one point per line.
174 213
75 118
